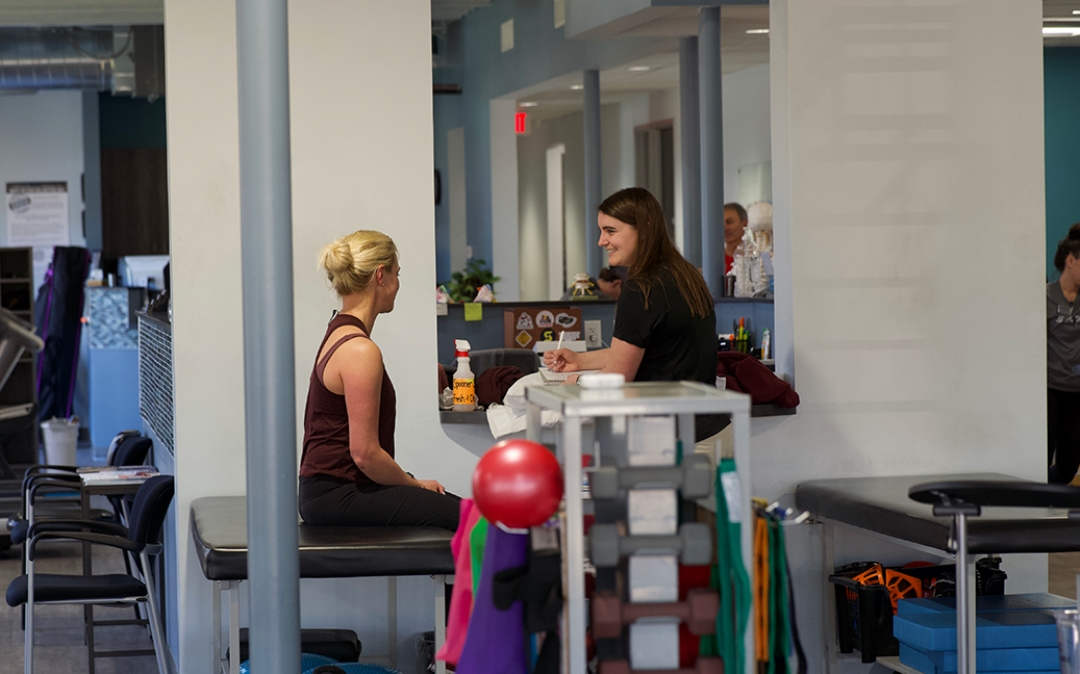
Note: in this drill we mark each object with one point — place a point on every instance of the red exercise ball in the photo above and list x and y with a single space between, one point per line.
517 483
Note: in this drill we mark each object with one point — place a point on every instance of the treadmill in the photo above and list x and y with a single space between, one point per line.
16 338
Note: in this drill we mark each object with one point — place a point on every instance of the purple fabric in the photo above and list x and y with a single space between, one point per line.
496 643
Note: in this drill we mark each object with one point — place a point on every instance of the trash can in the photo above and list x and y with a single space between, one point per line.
60 436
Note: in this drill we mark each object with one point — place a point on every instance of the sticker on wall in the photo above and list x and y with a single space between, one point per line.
571 336
548 335
545 319
565 320
523 338
525 322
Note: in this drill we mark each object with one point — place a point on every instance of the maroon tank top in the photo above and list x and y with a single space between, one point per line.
326 417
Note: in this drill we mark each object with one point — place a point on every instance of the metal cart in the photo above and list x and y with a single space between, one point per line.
607 409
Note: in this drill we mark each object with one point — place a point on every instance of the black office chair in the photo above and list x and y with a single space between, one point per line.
141 537
54 492
961 499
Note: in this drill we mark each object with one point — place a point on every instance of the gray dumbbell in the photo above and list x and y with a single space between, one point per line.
694 543
693 477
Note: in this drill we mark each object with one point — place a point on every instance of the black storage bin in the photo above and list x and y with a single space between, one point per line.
864 616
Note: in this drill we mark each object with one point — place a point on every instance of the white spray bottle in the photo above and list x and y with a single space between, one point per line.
464 381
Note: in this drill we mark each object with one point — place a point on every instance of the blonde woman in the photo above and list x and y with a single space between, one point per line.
348 475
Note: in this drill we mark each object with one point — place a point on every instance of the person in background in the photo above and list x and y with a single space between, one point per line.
610 283
1063 362
348 475
665 325
735 220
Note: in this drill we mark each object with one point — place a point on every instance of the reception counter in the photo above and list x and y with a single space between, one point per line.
489 333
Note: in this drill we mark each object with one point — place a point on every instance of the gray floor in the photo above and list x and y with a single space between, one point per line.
59 643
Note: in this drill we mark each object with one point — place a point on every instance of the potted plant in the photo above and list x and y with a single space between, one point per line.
463 284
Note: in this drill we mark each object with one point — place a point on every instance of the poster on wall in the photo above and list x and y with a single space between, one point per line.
37 217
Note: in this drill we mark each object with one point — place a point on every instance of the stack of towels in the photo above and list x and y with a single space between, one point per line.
1013 633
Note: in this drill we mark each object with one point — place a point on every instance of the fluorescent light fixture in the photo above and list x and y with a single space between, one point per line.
528 104
1061 31
577 87
758 31
639 69
1076 11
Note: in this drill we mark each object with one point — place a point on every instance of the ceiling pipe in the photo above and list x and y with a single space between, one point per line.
57 58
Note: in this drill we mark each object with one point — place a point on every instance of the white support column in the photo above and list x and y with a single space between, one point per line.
504 201
909 226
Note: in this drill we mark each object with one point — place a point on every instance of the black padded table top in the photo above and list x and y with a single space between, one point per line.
882 505
219 529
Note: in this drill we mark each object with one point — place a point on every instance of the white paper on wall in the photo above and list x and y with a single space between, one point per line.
37 217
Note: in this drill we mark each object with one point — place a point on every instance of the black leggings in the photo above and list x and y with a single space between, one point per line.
331 502
1063 435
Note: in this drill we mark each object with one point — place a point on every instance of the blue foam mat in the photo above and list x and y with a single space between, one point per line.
1004 602
993 629
986 660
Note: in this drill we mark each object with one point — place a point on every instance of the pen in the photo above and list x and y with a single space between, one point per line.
559 345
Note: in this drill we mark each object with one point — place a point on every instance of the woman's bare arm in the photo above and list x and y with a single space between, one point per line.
359 365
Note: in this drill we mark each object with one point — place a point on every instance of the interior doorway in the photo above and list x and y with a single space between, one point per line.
654 165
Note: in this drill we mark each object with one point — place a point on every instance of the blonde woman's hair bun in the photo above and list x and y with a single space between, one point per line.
351 261
336 257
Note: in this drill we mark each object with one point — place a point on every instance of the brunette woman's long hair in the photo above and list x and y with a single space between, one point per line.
655 251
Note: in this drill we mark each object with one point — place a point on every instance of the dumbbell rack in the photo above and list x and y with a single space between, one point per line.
681 400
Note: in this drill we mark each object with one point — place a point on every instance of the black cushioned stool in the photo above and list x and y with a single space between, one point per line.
219 530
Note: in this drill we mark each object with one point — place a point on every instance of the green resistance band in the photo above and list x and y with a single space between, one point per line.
477 541
729 575
780 607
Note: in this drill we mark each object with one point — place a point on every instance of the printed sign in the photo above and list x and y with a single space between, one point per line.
37 217
526 326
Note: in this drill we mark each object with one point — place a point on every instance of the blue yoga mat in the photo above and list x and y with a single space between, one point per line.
993 629
986 660
1003 602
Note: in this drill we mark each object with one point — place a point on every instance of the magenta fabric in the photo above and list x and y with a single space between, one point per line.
496 640
461 599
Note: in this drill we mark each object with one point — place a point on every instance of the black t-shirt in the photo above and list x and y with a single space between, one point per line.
678 345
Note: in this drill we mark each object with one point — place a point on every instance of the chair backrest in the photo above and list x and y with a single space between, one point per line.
482 359
132 451
148 512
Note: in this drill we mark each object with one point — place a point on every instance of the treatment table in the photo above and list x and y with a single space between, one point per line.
219 530
884 507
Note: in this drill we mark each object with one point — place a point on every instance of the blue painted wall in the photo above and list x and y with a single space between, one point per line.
474 61
1061 78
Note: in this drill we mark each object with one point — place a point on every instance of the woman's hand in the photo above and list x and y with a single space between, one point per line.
562 360
432 485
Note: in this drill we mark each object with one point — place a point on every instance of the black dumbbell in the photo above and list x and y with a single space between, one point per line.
694 544
693 477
